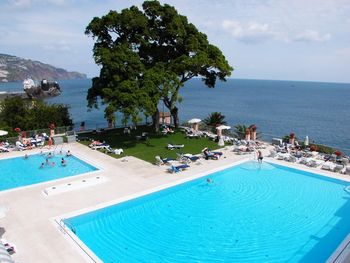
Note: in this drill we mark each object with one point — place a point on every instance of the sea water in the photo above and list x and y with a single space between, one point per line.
319 110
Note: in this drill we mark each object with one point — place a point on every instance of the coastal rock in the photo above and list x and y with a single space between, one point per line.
14 68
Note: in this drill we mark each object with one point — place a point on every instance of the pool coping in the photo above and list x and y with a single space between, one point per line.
87 253
78 156
342 253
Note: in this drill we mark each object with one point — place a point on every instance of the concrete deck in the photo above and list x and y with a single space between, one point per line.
29 221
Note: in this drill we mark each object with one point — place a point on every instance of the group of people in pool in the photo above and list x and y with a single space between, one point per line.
47 159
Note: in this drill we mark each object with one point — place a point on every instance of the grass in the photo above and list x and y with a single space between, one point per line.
153 146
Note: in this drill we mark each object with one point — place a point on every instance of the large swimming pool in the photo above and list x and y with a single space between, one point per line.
248 213
17 172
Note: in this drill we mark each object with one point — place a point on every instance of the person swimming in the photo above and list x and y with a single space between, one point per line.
260 157
68 153
42 165
210 181
26 156
63 162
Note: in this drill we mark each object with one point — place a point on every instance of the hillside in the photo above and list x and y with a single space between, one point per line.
14 68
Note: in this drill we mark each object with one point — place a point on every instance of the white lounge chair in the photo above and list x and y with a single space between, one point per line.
347 170
20 146
338 168
272 153
171 146
328 166
314 162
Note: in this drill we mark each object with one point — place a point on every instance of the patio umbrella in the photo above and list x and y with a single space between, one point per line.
306 142
223 127
195 120
2 133
194 123
219 133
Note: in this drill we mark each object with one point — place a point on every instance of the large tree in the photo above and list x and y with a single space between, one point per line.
146 56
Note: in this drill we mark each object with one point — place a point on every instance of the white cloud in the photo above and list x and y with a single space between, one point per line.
311 36
251 32
20 3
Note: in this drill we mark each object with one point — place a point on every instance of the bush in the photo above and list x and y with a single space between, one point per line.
30 115
322 148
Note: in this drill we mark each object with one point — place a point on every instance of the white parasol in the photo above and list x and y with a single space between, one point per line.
2 133
223 127
195 120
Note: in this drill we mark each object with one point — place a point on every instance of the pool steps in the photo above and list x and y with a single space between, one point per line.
74 185
342 253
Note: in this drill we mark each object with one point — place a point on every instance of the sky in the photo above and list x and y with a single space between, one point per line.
262 39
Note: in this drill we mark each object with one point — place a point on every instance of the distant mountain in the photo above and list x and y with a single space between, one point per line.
14 68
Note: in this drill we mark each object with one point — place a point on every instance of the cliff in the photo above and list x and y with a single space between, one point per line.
14 68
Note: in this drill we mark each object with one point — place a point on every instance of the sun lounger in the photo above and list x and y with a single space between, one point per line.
20 146
178 168
312 162
99 145
347 170
187 158
3 149
338 168
282 156
211 155
272 153
171 146
328 166
10 248
162 161
291 159
114 151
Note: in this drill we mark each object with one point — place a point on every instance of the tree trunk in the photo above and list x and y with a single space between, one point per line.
155 119
175 115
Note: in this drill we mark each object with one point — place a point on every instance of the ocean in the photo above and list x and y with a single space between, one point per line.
277 108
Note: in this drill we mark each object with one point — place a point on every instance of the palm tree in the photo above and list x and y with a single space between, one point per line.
240 131
214 119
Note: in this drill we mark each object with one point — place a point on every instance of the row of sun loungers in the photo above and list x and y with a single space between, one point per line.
314 159
184 160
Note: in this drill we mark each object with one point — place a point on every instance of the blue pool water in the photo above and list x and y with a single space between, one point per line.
250 213
16 172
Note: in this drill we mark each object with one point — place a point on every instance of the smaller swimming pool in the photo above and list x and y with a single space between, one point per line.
17 172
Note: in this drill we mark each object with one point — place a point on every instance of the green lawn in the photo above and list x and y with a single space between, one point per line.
155 145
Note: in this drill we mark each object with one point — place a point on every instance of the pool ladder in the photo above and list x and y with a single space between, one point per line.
64 224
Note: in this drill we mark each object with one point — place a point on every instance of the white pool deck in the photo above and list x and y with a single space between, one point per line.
29 221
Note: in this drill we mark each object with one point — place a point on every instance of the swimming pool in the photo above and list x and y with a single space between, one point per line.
17 172
248 213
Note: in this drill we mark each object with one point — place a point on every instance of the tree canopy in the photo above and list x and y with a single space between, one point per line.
146 56
30 115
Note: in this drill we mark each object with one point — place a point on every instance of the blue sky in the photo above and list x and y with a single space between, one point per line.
266 39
